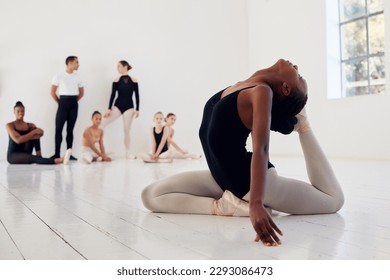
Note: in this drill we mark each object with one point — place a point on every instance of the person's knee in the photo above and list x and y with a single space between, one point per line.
69 129
339 202
335 204
147 198
86 158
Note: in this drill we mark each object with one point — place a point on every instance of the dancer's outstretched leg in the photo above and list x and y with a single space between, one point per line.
178 155
322 195
115 113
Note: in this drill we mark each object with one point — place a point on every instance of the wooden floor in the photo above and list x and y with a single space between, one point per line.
95 212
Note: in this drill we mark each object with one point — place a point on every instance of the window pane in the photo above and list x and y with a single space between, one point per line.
355 78
377 68
355 71
356 91
377 75
353 39
350 9
376 29
380 89
362 35
374 6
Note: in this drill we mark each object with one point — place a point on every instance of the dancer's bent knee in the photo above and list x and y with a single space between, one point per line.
147 198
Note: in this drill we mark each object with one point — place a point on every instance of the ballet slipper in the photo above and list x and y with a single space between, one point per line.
130 156
159 160
226 205
164 160
196 156
68 153
302 125
149 160
231 205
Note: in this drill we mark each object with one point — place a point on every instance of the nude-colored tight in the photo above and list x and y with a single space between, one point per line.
194 192
128 116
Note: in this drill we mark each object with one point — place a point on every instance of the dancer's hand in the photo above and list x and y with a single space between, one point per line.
136 114
264 226
38 131
107 114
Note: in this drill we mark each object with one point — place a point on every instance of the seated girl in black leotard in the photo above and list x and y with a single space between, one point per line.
23 138
123 105
160 144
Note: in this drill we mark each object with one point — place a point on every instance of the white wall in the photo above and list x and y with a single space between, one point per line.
182 51
353 127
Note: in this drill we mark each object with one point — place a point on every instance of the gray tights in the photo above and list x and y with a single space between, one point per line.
194 192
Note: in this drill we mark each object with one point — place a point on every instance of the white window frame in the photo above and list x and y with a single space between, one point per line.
365 57
334 83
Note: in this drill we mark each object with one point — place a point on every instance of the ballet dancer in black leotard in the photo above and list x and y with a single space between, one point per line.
158 137
24 138
160 145
240 183
123 105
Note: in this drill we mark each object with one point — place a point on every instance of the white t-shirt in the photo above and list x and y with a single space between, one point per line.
68 84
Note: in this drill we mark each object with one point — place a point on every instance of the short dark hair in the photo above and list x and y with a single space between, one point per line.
96 113
170 114
70 59
18 104
125 64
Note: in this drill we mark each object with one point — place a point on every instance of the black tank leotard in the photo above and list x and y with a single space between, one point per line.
125 88
158 137
223 137
22 153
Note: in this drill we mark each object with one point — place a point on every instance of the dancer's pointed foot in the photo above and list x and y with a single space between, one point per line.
302 125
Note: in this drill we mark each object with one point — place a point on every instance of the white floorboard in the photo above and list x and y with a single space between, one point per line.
95 212
8 248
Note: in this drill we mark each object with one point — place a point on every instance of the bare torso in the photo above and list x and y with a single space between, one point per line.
93 135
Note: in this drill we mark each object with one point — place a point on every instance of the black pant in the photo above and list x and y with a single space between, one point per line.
26 157
67 112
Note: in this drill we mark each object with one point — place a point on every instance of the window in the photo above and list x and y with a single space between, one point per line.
362 40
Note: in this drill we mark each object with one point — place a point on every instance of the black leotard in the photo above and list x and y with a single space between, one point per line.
22 153
223 137
158 137
125 87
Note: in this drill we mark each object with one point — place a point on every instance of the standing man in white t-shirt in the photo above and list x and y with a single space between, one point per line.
70 90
